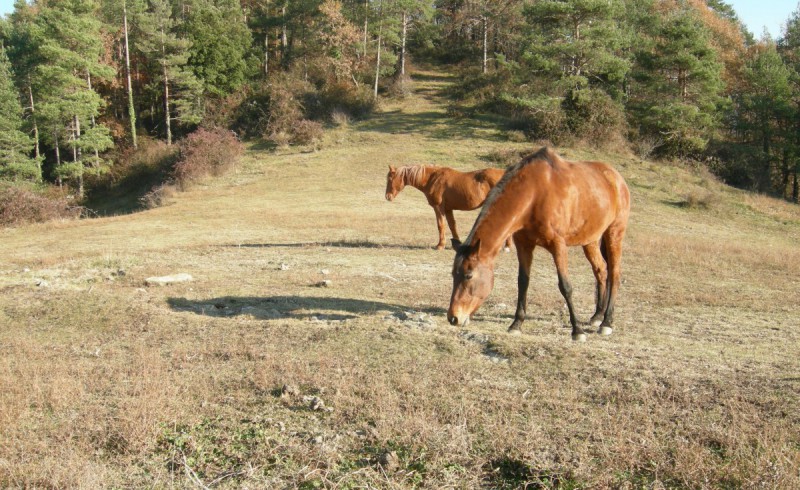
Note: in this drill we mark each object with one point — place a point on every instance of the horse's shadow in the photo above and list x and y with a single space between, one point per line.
331 244
290 307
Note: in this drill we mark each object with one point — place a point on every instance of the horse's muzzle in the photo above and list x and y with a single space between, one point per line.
454 321
389 197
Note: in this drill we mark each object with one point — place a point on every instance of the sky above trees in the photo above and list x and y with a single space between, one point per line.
758 14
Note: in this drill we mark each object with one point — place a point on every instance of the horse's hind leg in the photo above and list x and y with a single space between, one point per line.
440 225
595 257
559 251
451 222
612 241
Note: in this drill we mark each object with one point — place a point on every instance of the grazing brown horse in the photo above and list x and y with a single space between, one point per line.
546 201
447 190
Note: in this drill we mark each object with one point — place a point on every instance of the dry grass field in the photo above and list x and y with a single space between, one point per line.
260 374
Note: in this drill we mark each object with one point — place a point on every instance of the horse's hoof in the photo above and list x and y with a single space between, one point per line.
515 331
579 337
605 330
595 322
506 249
439 247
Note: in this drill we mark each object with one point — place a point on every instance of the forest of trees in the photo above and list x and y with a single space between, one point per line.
82 82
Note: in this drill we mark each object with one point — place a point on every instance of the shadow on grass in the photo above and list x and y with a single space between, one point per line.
336 244
110 197
294 307
436 125
428 77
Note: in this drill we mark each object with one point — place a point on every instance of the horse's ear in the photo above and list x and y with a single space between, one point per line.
456 244
391 169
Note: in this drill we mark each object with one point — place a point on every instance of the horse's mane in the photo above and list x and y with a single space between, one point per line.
411 174
544 153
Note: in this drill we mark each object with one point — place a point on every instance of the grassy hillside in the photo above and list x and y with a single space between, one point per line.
256 374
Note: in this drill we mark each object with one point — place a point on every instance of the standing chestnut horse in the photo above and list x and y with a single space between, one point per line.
446 189
546 201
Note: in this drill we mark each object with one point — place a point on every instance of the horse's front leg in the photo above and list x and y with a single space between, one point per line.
440 225
525 258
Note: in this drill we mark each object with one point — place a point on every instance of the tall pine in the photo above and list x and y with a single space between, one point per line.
15 145
173 82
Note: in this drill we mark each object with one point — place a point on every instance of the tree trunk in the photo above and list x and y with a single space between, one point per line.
131 108
403 45
378 63
485 38
58 157
366 21
76 153
167 118
785 174
284 38
96 153
266 54
35 131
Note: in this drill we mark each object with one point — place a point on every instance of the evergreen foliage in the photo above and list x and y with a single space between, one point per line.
682 78
15 145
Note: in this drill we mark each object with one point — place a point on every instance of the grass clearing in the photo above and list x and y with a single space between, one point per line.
105 382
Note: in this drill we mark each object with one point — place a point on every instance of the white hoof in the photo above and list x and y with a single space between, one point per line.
506 249
514 331
579 337
596 323
605 330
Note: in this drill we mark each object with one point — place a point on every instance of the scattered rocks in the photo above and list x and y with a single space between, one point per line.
389 461
284 267
165 280
412 319
42 283
289 390
484 340
316 404
323 284
477 337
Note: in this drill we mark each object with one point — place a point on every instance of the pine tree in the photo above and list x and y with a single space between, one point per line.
676 96
573 56
764 110
179 89
15 145
219 54
72 51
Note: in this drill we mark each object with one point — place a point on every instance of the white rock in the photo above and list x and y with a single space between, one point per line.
164 280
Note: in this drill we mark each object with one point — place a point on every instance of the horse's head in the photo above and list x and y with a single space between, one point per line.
394 183
473 279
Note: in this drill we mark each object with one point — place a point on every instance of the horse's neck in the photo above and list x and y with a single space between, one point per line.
416 176
495 223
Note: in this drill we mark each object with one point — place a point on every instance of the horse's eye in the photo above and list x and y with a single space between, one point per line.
468 275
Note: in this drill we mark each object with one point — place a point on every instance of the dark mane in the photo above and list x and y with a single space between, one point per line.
544 153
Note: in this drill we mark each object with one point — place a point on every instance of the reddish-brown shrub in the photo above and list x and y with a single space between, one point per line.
306 132
206 152
19 206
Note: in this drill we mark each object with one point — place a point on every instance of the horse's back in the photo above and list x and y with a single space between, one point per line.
465 191
578 200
